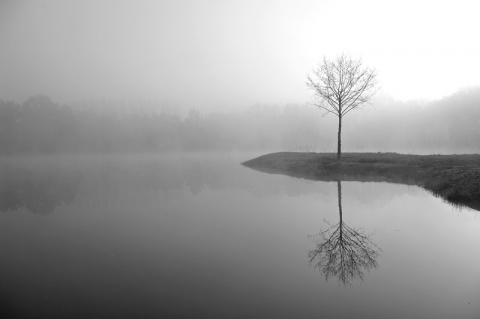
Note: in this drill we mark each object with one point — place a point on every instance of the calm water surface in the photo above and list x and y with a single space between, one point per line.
201 236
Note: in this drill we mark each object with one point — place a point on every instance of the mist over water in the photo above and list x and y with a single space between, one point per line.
200 235
123 126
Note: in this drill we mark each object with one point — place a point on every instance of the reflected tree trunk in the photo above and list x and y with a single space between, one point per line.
339 188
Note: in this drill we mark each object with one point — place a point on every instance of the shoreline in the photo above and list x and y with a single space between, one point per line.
455 178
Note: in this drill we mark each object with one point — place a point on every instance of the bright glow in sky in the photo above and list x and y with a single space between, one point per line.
231 53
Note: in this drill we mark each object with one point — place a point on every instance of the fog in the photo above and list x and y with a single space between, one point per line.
40 126
124 125
168 76
229 55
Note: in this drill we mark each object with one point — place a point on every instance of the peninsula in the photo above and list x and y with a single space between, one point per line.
455 178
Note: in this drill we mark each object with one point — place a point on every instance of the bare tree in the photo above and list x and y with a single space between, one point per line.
342 251
340 86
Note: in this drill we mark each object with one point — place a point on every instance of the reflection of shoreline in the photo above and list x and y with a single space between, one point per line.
42 184
38 191
342 251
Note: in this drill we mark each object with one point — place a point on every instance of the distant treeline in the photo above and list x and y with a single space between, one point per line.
40 126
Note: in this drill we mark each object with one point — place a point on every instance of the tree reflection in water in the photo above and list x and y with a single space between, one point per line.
342 251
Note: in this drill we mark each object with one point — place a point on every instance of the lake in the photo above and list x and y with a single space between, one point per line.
201 236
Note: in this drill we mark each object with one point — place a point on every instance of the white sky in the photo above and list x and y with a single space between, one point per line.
231 53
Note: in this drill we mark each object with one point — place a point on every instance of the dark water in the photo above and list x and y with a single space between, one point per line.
200 236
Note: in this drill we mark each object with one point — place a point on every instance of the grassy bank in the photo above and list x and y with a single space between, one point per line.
456 178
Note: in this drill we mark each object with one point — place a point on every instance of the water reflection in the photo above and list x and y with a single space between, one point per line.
41 185
39 191
342 251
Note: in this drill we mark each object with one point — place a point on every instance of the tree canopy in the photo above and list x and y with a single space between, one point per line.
340 86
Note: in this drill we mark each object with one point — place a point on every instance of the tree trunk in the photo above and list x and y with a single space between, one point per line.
339 145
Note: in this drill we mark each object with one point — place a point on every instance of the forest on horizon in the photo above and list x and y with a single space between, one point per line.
41 126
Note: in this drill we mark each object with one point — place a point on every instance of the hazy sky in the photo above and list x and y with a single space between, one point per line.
230 53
